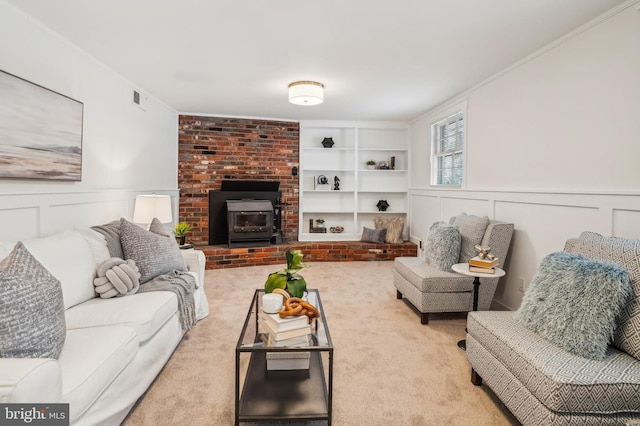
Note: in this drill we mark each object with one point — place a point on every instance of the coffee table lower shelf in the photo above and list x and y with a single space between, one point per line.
283 395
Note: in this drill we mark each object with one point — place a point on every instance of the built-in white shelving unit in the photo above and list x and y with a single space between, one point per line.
354 205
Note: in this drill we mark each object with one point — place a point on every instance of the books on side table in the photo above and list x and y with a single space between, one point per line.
483 266
286 332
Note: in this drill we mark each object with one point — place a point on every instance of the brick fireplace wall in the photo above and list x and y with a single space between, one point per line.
212 149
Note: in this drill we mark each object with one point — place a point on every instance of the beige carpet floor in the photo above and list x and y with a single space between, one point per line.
388 368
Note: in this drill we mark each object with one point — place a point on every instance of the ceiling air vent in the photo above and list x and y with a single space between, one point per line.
140 99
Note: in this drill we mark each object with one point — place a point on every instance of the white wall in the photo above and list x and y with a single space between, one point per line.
125 150
552 145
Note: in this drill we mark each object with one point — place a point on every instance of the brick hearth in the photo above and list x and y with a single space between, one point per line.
224 257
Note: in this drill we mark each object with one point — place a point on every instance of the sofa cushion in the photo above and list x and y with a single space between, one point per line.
625 253
394 227
574 302
472 230
68 256
559 379
90 360
442 247
154 254
31 308
420 274
145 312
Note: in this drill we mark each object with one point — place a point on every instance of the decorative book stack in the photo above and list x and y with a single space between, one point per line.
484 266
286 332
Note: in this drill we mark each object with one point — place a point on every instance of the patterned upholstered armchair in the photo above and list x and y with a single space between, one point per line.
430 289
544 384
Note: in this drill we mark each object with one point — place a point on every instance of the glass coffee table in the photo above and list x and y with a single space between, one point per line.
271 395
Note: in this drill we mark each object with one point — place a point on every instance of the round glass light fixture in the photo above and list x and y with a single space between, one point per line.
306 93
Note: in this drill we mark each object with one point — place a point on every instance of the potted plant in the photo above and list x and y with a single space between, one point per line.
320 223
371 164
181 230
288 279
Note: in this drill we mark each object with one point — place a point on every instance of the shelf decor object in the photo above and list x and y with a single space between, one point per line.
382 205
336 183
322 183
328 142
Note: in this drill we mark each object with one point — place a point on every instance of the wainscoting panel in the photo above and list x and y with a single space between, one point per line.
543 222
453 206
626 223
424 210
19 223
25 216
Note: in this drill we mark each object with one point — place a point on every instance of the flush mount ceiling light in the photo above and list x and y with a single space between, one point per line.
306 93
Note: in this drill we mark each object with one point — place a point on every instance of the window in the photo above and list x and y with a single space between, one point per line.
447 141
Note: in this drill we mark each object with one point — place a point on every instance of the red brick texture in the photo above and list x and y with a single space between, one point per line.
212 149
223 257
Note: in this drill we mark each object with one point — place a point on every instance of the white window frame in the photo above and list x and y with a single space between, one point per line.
437 119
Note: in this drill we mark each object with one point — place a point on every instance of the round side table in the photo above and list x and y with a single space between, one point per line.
463 268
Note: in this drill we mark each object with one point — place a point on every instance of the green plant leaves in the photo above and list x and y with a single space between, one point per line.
296 286
294 260
275 280
288 279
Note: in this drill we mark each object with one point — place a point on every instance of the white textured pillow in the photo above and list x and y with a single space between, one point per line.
31 308
153 253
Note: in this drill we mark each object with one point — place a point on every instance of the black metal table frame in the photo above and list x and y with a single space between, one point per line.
260 350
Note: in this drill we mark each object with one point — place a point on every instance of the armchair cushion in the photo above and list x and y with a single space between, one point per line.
574 302
443 246
623 252
472 230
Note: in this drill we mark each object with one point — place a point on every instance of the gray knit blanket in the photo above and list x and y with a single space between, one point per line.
182 284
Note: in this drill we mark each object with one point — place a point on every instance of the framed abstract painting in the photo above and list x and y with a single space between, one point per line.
40 132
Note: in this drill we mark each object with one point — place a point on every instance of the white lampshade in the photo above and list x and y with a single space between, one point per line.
306 93
150 206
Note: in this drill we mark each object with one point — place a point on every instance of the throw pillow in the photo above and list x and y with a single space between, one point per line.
472 229
625 253
373 235
117 277
394 227
31 308
442 247
153 253
574 303
158 227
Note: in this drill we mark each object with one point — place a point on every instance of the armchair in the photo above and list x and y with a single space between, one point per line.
430 289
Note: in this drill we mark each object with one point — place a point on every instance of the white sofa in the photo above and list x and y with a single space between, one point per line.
114 348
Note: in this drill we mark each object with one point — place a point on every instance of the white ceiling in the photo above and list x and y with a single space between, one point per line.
382 60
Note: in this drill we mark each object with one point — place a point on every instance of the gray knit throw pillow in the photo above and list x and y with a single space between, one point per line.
442 247
574 303
153 253
32 322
